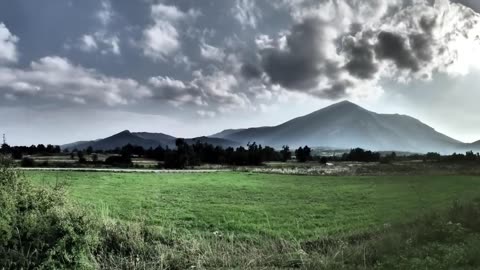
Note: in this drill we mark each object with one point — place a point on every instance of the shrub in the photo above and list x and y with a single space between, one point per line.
28 162
40 229
121 161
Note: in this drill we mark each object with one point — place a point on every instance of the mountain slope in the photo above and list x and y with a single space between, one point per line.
144 139
118 140
347 125
160 138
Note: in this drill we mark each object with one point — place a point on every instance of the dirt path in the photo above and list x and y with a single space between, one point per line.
121 170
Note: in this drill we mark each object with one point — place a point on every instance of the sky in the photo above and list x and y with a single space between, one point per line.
84 69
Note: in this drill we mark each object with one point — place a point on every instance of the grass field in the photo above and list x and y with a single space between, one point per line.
286 206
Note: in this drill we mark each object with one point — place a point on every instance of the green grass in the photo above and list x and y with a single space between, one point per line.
286 206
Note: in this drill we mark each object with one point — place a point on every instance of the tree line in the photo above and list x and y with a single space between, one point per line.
189 155
17 152
186 155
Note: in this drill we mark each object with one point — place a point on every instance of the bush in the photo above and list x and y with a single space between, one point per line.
28 162
40 229
120 161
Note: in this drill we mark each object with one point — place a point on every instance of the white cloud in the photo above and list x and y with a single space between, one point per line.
162 38
211 52
206 114
100 41
88 43
218 91
57 78
105 14
246 13
8 48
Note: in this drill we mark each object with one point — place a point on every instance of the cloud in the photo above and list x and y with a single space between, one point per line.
176 92
246 13
162 38
473 4
218 91
56 78
335 48
206 114
251 71
212 53
105 14
99 41
360 56
88 43
393 47
305 60
8 45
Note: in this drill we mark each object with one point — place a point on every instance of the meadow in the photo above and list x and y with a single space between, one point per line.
251 204
236 220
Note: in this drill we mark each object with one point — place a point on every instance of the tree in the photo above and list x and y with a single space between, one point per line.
27 162
5 148
89 150
120 161
303 154
81 157
41 149
360 155
94 158
323 160
286 153
17 154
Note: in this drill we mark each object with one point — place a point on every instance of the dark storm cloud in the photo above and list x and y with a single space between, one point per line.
421 45
361 59
299 65
251 71
392 46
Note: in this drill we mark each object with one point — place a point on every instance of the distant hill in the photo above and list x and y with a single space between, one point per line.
471 146
144 139
343 125
347 125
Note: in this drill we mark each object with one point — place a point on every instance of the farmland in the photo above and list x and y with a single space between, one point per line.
237 220
249 204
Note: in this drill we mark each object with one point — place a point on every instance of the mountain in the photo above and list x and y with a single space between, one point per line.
159 138
342 125
118 140
347 125
144 139
471 146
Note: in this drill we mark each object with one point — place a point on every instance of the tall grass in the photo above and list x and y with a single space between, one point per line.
41 229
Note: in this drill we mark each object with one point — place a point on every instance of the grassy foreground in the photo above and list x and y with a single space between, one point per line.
286 206
42 228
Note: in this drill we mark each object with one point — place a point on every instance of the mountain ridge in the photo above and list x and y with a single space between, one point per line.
342 125
347 125
144 139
